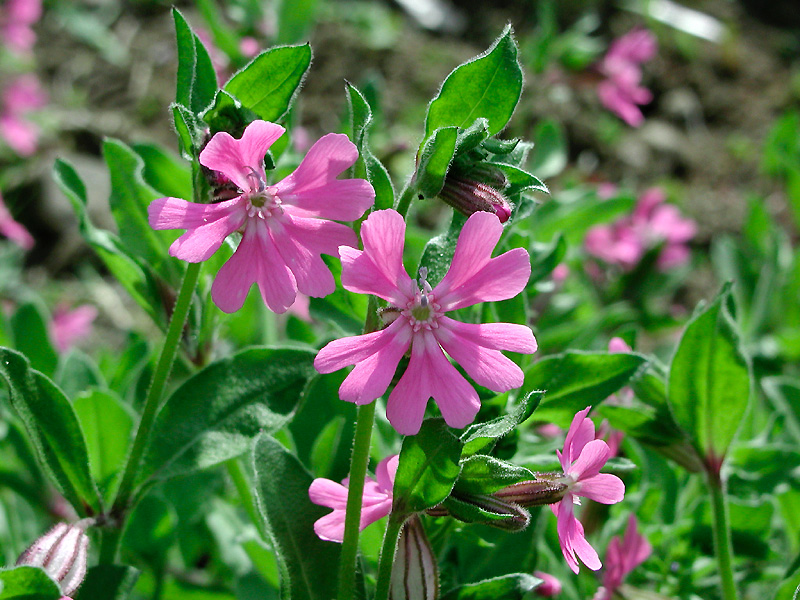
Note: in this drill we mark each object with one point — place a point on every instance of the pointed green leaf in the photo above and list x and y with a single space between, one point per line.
428 468
308 566
709 380
434 161
52 428
164 171
197 80
27 583
483 474
32 338
487 86
269 83
480 435
216 413
509 587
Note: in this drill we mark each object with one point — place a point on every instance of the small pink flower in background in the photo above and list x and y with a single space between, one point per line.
285 226
419 322
249 46
581 461
69 326
560 273
219 60
22 96
550 587
621 92
14 230
16 19
376 502
652 223
622 557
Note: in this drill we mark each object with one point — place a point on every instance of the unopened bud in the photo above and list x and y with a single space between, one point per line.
468 195
62 553
547 488
550 586
479 508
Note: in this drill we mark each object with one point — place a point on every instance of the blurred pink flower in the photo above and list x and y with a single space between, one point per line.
419 322
249 46
652 222
16 19
68 326
621 92
622 557
14 230
376 500
560 273
550 587
581 461
285 227
219 60
22 96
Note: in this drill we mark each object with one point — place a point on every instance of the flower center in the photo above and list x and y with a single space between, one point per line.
423 311
261 200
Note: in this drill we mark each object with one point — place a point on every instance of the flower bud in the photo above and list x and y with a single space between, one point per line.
467 194
62 553
550 585
547 488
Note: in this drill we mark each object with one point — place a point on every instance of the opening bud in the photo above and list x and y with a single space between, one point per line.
62 553
477 191
547 488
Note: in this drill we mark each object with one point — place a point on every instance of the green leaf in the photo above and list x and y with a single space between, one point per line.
215 414
32 338
487 86
376 173
295 19
545 258
520 180
27 583
508 587
164 171
132 273
269 83
107 425
480 435
197 80
53 430
483 474
130 197
438 253
308 566
428 468
77 372
574 380
108 582
435 157
190 131
228 114
487 510
709 380
549 150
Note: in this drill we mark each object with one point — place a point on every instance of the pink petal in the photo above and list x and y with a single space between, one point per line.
256 260
386 471
325 492
22 136
593 456
379 268
487 367
314 189
235 158
331 527
618 345
501 278
635 547
207 225
580 433
566 531
604 488
373 512
371 377
496 336
14 230
474 247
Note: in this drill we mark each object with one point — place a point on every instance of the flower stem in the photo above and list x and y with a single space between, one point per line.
722 534
406 197
358 470
154 394
386 560
244 488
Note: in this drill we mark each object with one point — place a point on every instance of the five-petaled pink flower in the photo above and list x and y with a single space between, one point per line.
419 321
13 230
376 500
620 92
581 461
622 557
284 226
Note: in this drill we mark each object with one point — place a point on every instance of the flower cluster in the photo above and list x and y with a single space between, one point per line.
418 321
621 92
285 226
653 223
21 96
16 20
376 500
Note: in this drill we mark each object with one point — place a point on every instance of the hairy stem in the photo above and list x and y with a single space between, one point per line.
722 534
386 560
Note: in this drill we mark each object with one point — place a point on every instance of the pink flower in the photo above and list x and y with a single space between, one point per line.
23 95
551 586
616 244
13 230
376 501
249 46
16 19
419 321
621 92
582 459
622 557
285 226
69 326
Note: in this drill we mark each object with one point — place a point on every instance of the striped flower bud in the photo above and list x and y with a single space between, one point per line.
477 191
62 553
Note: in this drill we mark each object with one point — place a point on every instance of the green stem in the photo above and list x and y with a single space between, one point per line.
406 198
154 394
109 542
244 488
358 470
386 560
722 534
